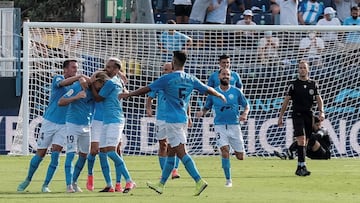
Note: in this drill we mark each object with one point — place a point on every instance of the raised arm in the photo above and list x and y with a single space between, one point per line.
140 91
213 92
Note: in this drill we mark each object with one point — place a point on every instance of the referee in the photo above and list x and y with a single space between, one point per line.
304 93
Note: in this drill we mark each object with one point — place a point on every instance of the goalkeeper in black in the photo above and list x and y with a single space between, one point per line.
304 95
318 147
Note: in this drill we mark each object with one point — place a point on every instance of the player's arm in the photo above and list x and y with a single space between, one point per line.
65 100
283 109
70 80
140 91
245 113
213 92
189 116
149 106
320 104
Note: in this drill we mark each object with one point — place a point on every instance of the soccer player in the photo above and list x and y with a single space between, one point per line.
113 126
160 123
114 71
303 92
177 87
318 147
78 118
225 62
52 130
227 121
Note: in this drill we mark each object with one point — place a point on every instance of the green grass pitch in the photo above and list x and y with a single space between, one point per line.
254 180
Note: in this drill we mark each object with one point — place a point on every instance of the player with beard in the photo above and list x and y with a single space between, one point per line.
227 120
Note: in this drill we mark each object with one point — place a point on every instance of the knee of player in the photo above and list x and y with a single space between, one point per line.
240 155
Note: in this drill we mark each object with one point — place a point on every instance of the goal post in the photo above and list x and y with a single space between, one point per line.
265 57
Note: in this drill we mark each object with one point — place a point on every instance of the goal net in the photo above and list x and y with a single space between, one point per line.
266 58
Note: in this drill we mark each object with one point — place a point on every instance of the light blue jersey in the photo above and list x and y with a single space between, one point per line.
173 42
98 112
234 80
352 37
80 112
161 104
311 11
55 113
177 87
227 113
112 106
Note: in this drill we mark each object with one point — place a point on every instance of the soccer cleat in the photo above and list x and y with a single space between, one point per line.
175 174
200 186
22 186
118 187
158 187
70 189
302 171
280 155
76 187
45 189
129 186
90 183
228 183
108 189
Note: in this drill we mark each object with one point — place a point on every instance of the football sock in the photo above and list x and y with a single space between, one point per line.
169 166
34 164
78 168
54 163
225 162
177 161
105 168
90 164
162 160
301 154
69 167
191 167
120 166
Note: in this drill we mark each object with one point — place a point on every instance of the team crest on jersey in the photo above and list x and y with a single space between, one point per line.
70 92
231 96
305 86
311 91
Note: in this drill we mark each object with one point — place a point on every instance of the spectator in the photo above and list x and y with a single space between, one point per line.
353 38
173 40
72 42
217 11
288 11
182 11
198 11
309 12
248 15
245 38
342 8
311 48
268 48
330 38
235 8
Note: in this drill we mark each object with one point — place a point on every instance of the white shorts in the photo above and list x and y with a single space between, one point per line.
111 135
176 133
96 130
160 130
51 133
78 138
230 135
